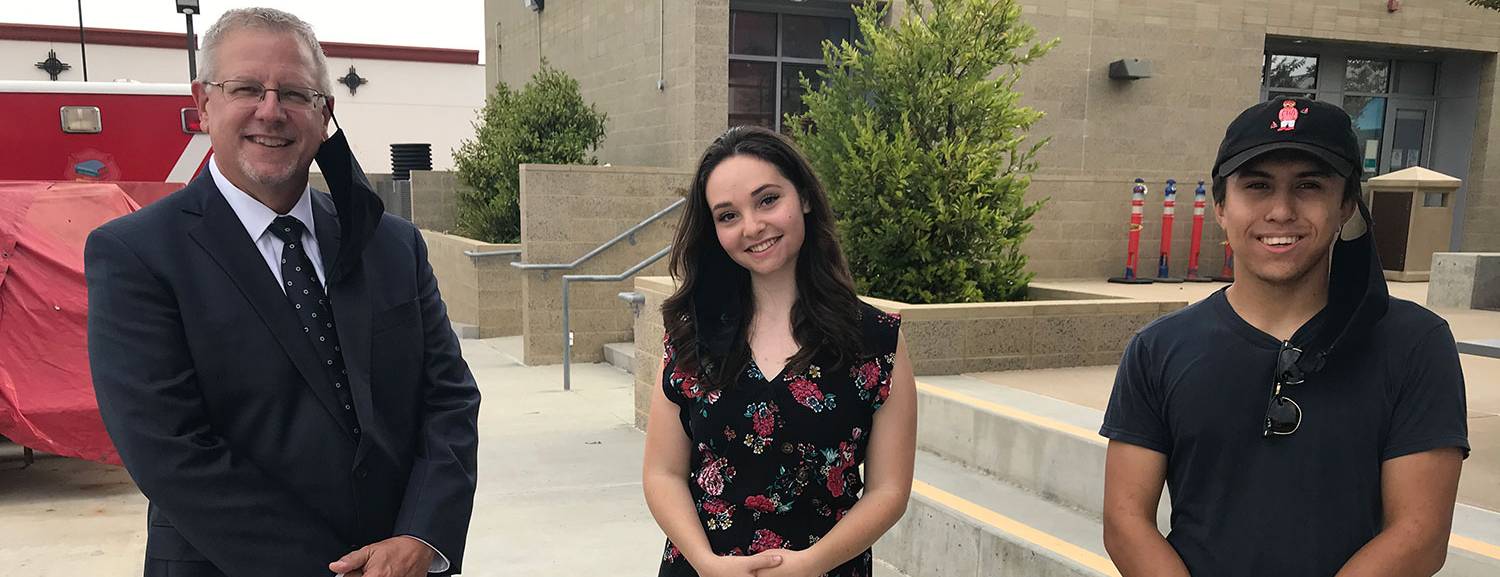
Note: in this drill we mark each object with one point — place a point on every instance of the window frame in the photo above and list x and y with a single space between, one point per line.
1265 73
781 11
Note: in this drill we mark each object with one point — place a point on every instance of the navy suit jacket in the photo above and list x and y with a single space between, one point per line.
223 416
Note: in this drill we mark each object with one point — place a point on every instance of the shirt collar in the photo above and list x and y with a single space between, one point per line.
255 216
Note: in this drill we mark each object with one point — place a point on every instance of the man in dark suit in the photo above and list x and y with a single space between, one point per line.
278 428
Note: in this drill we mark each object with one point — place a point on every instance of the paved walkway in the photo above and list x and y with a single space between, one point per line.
559 492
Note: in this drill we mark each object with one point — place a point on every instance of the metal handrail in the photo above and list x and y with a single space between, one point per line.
628 234
503 252
570 278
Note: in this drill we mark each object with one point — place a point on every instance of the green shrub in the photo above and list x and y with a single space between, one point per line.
918 137
545 122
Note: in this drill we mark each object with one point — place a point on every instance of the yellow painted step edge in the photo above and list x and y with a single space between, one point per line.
1474 546
1020 530
1455 540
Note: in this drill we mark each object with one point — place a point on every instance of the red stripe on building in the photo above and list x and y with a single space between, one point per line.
409 53
110 36
178 40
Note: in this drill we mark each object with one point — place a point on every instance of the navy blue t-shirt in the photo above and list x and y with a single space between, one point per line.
1194 386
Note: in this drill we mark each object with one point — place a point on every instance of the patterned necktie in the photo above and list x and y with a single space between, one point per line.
300 281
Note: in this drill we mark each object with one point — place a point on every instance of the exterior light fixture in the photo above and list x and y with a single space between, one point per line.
1130 69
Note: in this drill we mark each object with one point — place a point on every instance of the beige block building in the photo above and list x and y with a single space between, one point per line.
1420 82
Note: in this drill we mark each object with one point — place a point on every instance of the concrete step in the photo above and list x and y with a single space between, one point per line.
1474 546
962 522
883 569
465 330
1041 444
621 355
1050 449
1481 347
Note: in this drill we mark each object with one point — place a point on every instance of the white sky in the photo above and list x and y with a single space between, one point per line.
429 23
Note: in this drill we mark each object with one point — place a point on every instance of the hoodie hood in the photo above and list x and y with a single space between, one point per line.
1357 293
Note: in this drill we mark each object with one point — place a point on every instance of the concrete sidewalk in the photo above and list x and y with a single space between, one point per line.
559 492
560 483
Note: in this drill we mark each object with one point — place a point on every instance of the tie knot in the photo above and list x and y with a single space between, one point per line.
287 228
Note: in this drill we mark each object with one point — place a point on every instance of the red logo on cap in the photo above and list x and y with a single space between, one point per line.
1288 116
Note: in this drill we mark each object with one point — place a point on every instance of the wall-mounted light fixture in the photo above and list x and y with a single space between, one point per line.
534 5
1130 69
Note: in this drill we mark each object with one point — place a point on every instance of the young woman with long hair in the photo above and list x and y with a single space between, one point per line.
777 383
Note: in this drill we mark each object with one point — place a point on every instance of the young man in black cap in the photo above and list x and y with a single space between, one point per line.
1305 422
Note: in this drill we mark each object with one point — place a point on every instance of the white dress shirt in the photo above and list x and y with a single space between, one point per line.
257 219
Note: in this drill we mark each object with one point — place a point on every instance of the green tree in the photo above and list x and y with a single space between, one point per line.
1491 4
918 135
545 122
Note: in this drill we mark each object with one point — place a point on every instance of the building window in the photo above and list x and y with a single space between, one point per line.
768 53
1368 113
1370 76
1290 76
752 93
1366 82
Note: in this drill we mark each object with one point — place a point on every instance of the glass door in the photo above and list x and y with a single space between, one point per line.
1408 129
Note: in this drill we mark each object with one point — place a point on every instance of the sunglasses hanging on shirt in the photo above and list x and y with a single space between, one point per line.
1283 415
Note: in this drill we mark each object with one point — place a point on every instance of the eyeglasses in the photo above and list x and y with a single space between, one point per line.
1283 415
291 97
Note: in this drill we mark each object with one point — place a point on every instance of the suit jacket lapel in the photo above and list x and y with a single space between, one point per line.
222 235
349 296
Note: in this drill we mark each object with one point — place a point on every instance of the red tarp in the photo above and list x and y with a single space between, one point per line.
46 394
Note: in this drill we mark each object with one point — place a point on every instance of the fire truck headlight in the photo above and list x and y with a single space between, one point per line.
81 120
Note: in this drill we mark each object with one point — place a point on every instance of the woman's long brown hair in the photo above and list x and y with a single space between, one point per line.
826 314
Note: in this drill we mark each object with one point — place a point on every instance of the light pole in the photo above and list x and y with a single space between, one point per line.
189 8
83 47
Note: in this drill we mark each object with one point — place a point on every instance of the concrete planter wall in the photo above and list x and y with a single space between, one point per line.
482 292
434 199
1070 329
1061 328
1465 280
567 211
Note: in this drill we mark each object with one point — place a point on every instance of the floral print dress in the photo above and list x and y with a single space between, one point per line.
776 462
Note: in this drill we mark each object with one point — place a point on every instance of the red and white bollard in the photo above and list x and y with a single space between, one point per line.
1133 248
1168 216
1200 201
1227 275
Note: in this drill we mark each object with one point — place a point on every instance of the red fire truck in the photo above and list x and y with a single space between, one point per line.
100 131
72 156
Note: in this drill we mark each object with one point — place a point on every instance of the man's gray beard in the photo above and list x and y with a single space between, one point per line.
271 181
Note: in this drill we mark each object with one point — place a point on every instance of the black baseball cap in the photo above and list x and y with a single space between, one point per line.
1319 128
